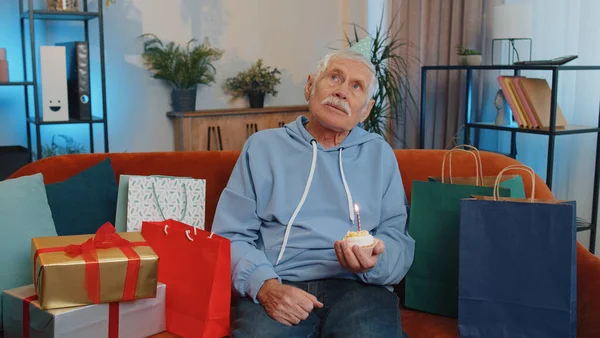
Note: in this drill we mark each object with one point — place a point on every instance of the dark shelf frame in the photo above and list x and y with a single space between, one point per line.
552 132
70 121
27 17
59 16
16 83
572 129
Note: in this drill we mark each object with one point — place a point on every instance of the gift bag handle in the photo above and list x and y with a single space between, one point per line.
187 232
515 167
477 158
185 202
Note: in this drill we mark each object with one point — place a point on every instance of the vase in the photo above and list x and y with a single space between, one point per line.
503 113
63 5
3 66
184 99
257 100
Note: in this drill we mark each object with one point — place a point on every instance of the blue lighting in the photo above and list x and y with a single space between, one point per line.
12 99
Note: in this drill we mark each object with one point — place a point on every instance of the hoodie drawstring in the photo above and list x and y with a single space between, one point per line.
348 195
288 228
306 188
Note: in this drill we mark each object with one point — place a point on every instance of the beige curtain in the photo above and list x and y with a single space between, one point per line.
432 29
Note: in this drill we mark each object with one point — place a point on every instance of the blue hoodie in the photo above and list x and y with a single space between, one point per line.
285 182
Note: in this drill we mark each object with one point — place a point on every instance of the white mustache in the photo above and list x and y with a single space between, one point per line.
338 103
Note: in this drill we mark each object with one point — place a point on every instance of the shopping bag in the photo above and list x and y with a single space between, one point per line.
431 284
195 266
512 182
158 198
517 275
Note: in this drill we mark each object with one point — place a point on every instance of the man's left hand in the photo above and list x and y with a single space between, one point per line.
355 259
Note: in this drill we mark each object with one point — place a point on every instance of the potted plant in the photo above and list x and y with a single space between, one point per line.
468 57
184 68
394 97
70 146
254 83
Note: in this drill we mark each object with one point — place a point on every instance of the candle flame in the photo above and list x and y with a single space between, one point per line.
355 207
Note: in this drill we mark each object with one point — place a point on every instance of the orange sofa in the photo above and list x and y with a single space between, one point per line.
216 167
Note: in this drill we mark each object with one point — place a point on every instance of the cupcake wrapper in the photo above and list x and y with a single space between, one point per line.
370 246
369 249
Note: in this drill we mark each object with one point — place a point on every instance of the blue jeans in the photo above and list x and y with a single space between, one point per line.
351 309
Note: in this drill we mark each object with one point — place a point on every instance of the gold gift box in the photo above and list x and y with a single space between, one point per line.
61 279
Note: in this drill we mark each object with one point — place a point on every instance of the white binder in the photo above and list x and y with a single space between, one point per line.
53 72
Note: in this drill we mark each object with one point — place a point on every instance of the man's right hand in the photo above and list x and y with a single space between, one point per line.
286 304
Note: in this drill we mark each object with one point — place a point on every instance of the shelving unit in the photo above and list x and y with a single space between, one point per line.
552 132
27 17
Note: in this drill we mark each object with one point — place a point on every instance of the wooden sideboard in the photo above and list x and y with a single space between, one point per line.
227 129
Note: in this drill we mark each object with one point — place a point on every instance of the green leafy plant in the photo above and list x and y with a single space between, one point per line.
461 50
256 80
183 67
394 95
69 147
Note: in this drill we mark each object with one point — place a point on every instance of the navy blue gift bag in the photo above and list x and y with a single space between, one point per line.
517 267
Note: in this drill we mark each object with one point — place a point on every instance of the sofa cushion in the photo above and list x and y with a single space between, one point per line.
83 203
24 214
418 324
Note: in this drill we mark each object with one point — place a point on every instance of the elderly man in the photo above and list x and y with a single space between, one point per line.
289 202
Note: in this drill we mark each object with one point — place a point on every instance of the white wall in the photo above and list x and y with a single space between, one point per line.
290 35
565 27
585 112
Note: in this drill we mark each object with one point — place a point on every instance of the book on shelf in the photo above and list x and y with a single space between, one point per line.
529 100
511 98
525 103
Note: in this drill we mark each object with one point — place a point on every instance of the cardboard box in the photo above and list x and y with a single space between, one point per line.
93 269
138 318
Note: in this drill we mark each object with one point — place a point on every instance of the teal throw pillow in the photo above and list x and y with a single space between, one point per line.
84 202
24 214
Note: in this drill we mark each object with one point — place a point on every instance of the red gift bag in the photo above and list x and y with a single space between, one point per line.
196 267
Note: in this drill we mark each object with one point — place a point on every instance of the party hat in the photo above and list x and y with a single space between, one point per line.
363 46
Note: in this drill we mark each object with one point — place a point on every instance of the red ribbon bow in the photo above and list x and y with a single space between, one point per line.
106 237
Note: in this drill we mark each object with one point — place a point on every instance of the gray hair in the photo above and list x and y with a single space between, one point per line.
349 55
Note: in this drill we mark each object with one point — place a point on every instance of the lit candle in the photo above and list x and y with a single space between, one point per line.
357 216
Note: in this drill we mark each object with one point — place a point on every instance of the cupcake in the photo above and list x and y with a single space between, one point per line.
361 238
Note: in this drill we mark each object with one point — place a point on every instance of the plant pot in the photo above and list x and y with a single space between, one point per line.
3 71
469 60
183 99
257 100
63 5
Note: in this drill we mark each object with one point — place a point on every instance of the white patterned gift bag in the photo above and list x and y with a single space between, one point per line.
158 198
